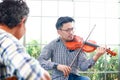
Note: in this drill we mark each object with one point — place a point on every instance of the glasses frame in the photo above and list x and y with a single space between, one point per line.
67 30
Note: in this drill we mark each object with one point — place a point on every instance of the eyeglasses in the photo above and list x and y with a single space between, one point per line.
67 30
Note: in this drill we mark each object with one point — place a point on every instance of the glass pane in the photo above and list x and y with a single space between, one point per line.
112 31
112 76
33 29
112 63
113 10
95 75
33 48
113 1
97 9
81 27
65 10
82 0
98 0
82 9
49 8
98 33
35 8
48 30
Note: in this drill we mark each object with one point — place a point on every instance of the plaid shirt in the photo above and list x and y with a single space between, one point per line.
15 61
59 54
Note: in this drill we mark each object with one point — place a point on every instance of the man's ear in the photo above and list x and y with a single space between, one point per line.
22 22
58 31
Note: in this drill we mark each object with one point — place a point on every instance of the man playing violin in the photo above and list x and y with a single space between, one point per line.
15 62
57 57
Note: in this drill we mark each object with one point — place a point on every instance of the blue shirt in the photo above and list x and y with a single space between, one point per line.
56 53
14 60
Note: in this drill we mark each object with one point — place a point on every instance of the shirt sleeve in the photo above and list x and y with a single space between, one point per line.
45 58
84 63
20 63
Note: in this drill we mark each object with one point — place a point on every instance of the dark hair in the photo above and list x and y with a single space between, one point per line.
63 20
12 12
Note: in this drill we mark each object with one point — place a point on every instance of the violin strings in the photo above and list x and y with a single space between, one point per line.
82 46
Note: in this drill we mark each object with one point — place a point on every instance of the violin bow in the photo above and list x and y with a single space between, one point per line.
82 46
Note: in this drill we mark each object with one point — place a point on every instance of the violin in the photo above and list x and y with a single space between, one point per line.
87 46
12 78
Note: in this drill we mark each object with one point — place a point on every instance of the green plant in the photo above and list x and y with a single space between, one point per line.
33 48
105 68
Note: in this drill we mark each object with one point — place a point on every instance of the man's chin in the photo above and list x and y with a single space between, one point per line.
69 40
